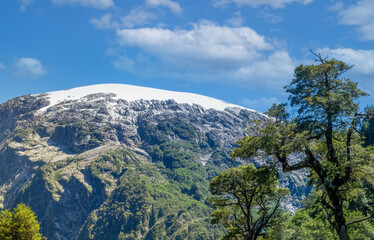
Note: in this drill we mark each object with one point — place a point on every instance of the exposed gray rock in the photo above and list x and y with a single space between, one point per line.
45 153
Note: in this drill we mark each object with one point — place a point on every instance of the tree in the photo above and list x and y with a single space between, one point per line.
325 130
21 224
310 222
246 200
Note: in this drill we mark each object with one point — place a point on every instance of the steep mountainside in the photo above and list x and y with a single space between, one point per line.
120 162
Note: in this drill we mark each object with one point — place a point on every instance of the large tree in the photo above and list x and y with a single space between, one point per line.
246 200
21 224
325 131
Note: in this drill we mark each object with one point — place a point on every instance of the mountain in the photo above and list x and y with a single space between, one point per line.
117 161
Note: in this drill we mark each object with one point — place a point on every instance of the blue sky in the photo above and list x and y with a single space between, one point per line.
240 51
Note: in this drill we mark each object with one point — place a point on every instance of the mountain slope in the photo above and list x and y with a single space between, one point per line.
117 161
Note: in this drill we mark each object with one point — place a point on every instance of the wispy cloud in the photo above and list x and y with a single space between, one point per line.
173 6
260 104
101 4
236 20
2 66
361 15
257 3
236 53
29 67
363 60
124 63
24 4
104 22
136 17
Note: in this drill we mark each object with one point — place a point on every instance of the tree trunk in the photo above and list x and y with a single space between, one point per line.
341 225
342 233
337 209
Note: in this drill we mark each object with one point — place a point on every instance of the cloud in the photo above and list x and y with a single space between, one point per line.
136 17
101 4
361 15
29 67
363 60
213 52
173 6
261 104
205 45
2 66
257 3
269 16
105 22
24 4
236 20
273 72
124 64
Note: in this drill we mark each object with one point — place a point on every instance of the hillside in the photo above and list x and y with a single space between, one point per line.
118 161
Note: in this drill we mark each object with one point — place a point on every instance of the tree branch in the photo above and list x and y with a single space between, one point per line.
286 167
360 220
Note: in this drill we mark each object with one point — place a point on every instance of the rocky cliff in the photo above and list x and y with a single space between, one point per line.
119 161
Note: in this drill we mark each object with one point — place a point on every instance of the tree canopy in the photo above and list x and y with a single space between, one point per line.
21 224
246 200
325 130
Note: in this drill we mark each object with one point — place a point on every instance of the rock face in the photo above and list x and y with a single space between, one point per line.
111 164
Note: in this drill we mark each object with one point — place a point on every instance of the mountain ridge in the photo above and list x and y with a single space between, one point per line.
133 93
83 164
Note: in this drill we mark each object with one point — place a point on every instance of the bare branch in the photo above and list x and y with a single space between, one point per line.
319 57
360 220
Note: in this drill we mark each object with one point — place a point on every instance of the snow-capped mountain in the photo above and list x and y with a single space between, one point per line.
116 161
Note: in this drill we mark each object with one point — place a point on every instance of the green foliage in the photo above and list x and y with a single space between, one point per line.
22 134
167 130
139 209
368 127
246 199
78 136
179 128
320 92
180 163
21 224
325 131
311 222
150 200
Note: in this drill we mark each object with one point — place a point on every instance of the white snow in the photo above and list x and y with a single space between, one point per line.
133 93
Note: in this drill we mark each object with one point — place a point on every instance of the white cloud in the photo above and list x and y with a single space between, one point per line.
256 3
2 66
174 6
101 4
136 17
24 4
272 72
236 20
205 44
29 67
216 52
105 22
361 15
363 60
261 104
